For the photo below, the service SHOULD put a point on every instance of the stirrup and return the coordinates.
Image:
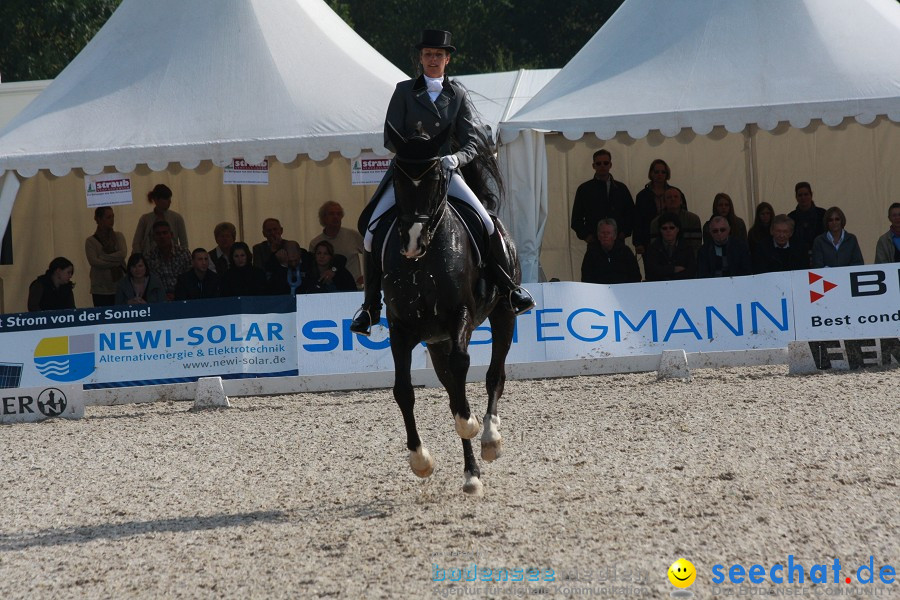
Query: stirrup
(522, 308)
(358, 325)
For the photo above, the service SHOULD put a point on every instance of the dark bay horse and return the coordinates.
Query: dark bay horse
(432, 295)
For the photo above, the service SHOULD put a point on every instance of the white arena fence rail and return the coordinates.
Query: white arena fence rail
(274, 345)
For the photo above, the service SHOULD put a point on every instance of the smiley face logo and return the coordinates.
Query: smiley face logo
(682, 573)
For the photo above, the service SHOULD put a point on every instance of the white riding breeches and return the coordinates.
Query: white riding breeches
(458, 188)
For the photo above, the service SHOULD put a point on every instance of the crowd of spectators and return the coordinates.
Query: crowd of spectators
(666, 236)
(163, 268)
(673, 245)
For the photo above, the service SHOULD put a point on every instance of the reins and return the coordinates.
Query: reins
(434, 218)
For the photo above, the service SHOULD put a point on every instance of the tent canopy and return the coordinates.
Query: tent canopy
(702, 63)
(175, 81)
(497, 96)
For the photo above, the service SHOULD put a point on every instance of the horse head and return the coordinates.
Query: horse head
(420, 187)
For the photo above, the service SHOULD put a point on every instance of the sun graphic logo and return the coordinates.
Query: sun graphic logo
(65, 358)
(682, 575)
(827, 286)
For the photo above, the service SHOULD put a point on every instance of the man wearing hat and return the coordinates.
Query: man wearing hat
(435, 102)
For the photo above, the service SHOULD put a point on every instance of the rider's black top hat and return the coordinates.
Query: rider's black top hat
(435, 38)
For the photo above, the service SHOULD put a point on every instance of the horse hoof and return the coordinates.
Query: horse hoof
(467, 429)
(473, 486)
(421, 462)
(491, 451)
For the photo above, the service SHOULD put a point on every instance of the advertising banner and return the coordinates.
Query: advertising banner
(28, 405)
(847, 303)
(156, 343)
(368, 168)
(241, 172)
(578, 321)
(107, 189)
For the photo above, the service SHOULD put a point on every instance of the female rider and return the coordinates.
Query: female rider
(435, 102)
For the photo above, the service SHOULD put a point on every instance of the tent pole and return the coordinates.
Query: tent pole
(751, 166)
(240, 207)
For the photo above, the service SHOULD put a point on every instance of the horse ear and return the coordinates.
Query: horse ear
(397, 140)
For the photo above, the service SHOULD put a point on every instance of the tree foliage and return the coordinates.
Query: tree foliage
(492, 35)
(38, 38)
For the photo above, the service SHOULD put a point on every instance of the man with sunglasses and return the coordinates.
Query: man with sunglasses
(602, 198)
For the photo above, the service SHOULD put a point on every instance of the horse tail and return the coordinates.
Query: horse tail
(482, 173)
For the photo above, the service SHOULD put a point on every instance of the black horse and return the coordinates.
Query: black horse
(435, 292)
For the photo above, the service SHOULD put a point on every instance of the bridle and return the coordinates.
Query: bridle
(431, 220)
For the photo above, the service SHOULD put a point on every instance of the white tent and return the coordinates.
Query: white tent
(175, 81)
(497, 96)
(170, 89)
(764, 87)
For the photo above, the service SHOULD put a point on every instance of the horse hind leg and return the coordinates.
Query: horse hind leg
(472, 474)
(451, 367)
(502, 325)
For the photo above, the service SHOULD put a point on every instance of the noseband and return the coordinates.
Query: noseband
(432, 219)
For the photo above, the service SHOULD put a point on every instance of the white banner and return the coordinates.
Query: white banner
(368, 168)
(578, 321)
(241, 172)
(157, 343)
(847, 303)
(107, 189)
(27, 405)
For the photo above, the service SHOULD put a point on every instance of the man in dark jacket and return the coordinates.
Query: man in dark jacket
(602, 198)
(809, 219)
(724, 256)
(199, 281)
(779, 253)
(609, 260)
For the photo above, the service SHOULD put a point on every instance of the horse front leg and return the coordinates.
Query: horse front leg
(441, 354)
(503, 323)
(402, 345)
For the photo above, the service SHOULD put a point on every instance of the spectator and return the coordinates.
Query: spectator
(887, 249)
(668, 258)
(106, 252)
(777, 253)
(327, 276)
(288, 268)
(166, 259)
(139, 286)
(53, 289)
(599, 198)
(243, 279)
(263, 251)
(836, 247)
(346, 242)
(809, 219)
(608, 259)
(161, 198)
(199, 281)
(225, 234)
(649, 203)
(724, 207)
(724, 256)
(691, 231)
(761, 231)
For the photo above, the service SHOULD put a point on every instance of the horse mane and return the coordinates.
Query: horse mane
(482, 173)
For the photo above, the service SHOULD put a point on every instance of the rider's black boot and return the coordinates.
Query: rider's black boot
(514, 295)
(370, 312)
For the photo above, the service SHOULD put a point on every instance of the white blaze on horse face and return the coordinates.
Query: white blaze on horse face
(412, 250)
